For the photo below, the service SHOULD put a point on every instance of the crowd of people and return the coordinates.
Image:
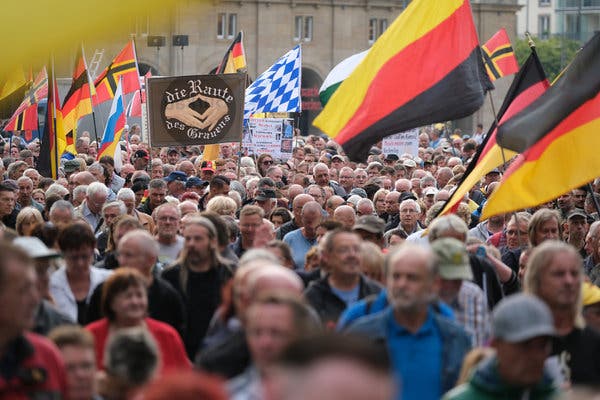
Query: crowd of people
(250, 277)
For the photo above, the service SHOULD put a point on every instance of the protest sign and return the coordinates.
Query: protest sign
(402, 143)
(272, 136)
(195, 110)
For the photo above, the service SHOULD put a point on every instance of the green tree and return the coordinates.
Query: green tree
(554, 53)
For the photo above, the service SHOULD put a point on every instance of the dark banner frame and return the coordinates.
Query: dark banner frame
(196, 109)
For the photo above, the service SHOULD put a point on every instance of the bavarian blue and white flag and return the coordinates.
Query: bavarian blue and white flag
(278, 88)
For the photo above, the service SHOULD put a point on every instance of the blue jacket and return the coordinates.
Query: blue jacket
(455, 341)
(376, 303)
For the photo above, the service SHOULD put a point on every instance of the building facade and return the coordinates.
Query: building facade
(192, 38)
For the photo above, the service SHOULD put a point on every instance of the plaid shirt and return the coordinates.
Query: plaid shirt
(471, 311)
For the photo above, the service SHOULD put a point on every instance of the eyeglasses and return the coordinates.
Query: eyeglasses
(267, 162)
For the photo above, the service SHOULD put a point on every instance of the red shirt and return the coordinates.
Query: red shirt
(170, 345)
(32, 368)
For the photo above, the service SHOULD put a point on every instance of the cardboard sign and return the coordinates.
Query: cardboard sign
(272, 136)
(195, 110)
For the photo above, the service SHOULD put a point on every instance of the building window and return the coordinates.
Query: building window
(303, 28)
(383, 24)
(544, 27)
(372, 30)
(226, 26)
(376, 28)
(232, 27)
(308, 28)
(544, 3)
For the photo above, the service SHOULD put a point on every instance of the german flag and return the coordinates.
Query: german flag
(527, 86)
(427, 67)
(499, 57)
(48, 159)
(78, 101)
(233, 61)
(124, 66)
(560, 149)
(26, 115)
(235, 57)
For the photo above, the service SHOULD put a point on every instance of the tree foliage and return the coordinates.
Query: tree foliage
(554, 53)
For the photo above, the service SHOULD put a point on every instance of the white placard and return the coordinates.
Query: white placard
(272, 136)
(402, 143)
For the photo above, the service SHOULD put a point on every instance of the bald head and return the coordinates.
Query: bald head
(345, 215)
(84, 178)
(273, 278)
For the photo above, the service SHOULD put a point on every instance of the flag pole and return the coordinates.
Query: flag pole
(92, 96)
(594, 199)
(56, 161)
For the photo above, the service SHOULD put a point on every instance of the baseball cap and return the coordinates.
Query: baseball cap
(359, 192)
(71, 166)
(34, 247)
(194, 181)
(176, 176)
(208, 166)
(172, 150)
(431, 191)
(494, 171)
(392, 157)
(577, 212)
(369, 223)
(375, 151)
(265, 194)
(337, 157)
(409, 163)
(590, 294)
(141, 154)
(453, 259)
(521, 317)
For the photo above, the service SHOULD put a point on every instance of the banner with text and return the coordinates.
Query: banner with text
(272, 136)
(402, 143)
(195, 110)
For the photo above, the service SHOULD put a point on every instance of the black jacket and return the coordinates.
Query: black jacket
(228, 358)
(483, 271)
(328, 305)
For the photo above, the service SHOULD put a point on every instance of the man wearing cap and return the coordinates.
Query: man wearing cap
(370, 228)
(70, 167)
(554, 274)
(522, 337)
(577, 226)
(591, 305)
(458, 291)
(266, 199)
(32, 367)
(47, 316)
(173, 155)
(176, 183)
(219, 186)
(140, 160)
(426, 349)
(207, 170)
(196, 185)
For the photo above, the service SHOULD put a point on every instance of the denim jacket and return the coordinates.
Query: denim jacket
(455, 341)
